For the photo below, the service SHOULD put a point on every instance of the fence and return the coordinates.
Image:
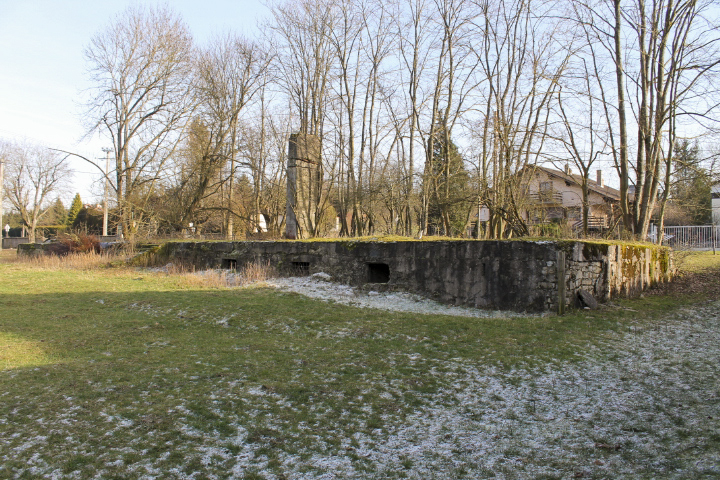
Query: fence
(13, 242)
(700, 236)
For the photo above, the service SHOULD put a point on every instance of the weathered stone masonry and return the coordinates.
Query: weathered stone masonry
(516, 275)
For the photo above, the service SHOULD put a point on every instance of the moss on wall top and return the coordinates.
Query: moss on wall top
(429, 238)
(591, 246)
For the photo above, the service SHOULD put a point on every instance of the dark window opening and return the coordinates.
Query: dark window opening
(229, 263)
(546, 186)
(301, 269)
(378, 273)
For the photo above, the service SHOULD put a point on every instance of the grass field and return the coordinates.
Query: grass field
(126, 373)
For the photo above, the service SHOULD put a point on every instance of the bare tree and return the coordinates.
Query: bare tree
(665, 59)
(34, 174)
(361, 41)
(380, 83)
(141, 68)
(193, 189)
(231, 71)
(582, 135)
(304, 58)
(262, 149)
(678, 54)
(523, 59)
(453, 84)
(414, 39)
(346, 41)
(300, 36)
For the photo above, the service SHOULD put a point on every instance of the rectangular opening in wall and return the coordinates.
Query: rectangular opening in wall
(301, 269)
(378, 273)
(229, 263)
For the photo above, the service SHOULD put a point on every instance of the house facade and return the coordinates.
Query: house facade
(554, 196)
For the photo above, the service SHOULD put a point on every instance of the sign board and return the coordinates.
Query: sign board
(483, 214)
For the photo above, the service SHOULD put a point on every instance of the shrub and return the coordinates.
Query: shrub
(74, 243)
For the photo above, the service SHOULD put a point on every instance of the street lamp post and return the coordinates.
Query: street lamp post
(105, 200)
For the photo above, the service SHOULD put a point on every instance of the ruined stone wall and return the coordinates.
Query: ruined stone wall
(515, 275)
(612, 270)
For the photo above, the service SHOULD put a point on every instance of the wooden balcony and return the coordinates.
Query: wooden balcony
(595, 222)
(547, 198)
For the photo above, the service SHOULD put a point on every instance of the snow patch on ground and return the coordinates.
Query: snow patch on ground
(319, 287)
(641, 404)
(648, 408)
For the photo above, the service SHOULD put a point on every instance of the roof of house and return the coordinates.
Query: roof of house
(593, 186)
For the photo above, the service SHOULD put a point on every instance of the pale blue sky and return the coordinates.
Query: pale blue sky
(43, 74)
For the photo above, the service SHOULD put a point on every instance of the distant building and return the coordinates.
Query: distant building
(716, 204)
(552, 195)
(93, 207)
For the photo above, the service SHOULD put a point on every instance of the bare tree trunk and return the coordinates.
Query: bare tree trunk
(622, 121)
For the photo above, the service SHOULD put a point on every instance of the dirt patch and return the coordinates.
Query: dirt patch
(704, 283)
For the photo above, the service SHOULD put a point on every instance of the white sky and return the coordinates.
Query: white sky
(43, 73)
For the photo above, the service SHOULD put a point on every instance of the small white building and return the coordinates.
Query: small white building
(716, 204)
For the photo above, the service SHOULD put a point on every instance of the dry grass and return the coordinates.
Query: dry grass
(698, 274)
(75, 261)
(188, 274)
(258, 272)
(253, 273)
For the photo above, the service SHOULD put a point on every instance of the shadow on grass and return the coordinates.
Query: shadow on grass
(128, 322)
(138, 370)
(160, 325)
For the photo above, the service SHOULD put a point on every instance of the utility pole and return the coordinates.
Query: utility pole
(105, 200)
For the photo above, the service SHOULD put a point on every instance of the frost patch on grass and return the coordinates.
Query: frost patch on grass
(644, 403)
(640, 404)
(641, 412)
(321, 289)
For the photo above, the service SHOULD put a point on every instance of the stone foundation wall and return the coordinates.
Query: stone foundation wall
(514, 275)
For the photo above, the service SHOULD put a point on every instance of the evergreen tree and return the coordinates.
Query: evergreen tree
(89, 221)
(691, 190)
(58, 213)
(449, 188)
(75, 208)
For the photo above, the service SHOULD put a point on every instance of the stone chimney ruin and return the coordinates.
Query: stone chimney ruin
(304, 180)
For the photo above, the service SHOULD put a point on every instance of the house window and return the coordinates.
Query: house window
(546, 186)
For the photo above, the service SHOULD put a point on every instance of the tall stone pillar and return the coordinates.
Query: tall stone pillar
(304, 180)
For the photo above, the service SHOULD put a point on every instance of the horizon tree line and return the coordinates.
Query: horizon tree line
(425, 110)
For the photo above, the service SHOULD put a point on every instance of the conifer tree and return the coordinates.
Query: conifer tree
(58, 213)
(75, 208)
(691, 190)
(449, 190)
